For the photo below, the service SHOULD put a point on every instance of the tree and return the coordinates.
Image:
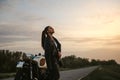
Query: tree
(10, 59)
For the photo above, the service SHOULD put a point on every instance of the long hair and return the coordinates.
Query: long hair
(43, 37)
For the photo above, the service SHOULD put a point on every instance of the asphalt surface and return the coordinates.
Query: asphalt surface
(75, 74)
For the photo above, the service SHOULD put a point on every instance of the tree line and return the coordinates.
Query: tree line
(76, 62)
(9, 59)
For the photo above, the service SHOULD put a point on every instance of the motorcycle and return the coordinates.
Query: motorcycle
(32, 68)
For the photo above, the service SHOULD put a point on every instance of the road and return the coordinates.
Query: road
(75, 74)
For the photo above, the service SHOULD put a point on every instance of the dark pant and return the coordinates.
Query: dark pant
(52, 67)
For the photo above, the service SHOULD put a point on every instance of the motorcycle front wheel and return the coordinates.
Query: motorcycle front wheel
(20, 75)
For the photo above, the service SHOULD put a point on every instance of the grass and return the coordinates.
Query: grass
(109, 72)
(6, 75)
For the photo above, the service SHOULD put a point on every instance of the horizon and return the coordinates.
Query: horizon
(12, 52)
(85, 28)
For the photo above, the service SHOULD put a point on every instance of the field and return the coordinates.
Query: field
(6, 75)
(108, 72)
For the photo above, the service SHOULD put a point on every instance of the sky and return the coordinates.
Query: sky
(85, 28)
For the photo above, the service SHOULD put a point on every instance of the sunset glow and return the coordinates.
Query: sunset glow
(85, 28)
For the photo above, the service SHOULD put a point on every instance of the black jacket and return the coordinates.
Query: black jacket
(51, 51)
(52, 47)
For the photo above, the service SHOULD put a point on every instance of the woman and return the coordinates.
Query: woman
(52, 49)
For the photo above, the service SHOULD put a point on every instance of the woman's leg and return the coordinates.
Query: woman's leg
(52, 67)
(55, 71)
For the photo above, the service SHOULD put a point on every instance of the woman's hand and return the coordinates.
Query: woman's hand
(59, 55)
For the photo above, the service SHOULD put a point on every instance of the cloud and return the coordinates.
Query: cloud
(103, 48)
(10, 33)
(102, 17)
(24, 46)
(7, 5)
(115, 41)
(82, 39)
(11, 38)
(94, 42)
(102, 54)
(19, 24)
(13, 29)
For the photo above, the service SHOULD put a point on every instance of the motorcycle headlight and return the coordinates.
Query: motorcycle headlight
(42, 62)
